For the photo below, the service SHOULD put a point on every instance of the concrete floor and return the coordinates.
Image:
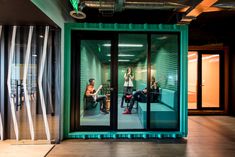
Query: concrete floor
(209, 136)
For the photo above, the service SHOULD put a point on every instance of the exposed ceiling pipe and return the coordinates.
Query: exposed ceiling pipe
(111, 6)
(120, 5)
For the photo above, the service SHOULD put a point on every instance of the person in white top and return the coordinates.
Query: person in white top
(128, 83)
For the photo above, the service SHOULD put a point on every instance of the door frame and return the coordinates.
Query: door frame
(221, 80)
(181, 29)
(224, 66)
(77, 37)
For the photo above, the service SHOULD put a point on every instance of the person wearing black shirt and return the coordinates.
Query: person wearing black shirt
(141, 96)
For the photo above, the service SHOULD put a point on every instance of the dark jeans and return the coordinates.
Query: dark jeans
(102, 100)
(127, 90)
(139, 96)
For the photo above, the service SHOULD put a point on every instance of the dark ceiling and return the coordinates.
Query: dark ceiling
(22, 12)
(208, 27)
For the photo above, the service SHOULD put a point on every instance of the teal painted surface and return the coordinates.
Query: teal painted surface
(182, 29)
(169, 98)
(163, 114)
(90, 68)
(164, 61)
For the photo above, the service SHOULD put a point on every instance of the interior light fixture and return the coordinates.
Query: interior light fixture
(122, 60)
(162, 37)
(125, 45)
(211, 56)
(192, 55)
(34, 55)
(41, 36)
(123, 55)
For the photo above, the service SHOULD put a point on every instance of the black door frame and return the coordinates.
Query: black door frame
(199, 78)
(76, 37)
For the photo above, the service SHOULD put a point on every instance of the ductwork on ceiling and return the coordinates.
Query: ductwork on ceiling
(109, 7)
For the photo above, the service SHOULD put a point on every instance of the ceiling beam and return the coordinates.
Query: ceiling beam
(195, 11)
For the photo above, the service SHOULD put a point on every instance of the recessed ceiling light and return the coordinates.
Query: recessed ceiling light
(123, 55)
(122, 60)
(162, 37)
(125, 45)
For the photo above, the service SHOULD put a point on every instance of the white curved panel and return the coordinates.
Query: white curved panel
(26, 96)
(1, 126)
(41, 69)
(12, 50)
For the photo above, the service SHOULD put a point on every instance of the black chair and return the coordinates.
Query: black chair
(92, 107)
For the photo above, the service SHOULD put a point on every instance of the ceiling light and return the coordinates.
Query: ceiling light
(34, 55)
(162, 37)
(125, 45)
(78, 15)
(122, 60)
(41, 36)
(123, 55)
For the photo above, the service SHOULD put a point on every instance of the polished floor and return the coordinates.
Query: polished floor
(209, 136)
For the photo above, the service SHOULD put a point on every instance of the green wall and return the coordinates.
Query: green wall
(165, 64)
(141, 74)
(90, 68)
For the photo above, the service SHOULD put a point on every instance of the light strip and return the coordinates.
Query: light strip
(123, 55)
(41, 69)
(192, 55)
(15, 124)
(211, 56)
(0, 31)
(26, 96)
(125, 45)
(122, 60)
(1, 126)
(203, 58)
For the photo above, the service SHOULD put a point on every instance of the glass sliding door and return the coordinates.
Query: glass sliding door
(94, 82)
(139, 74)
(132, 81)
(204, 79)
(210, 81)
(91, 79)
(164, 83)
(192, 79)
(32, 77)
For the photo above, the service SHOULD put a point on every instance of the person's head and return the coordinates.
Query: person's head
(129, 70)
(153, 79)
(92, 81)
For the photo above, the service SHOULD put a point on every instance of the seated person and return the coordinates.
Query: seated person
(141, 96)
(90, 90)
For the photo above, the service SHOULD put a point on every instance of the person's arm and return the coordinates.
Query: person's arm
(89, 91)
(125, 77)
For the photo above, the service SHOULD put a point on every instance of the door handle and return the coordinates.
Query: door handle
(111, 89)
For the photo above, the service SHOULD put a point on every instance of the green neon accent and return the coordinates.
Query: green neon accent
(75, 4)
(182, 29)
